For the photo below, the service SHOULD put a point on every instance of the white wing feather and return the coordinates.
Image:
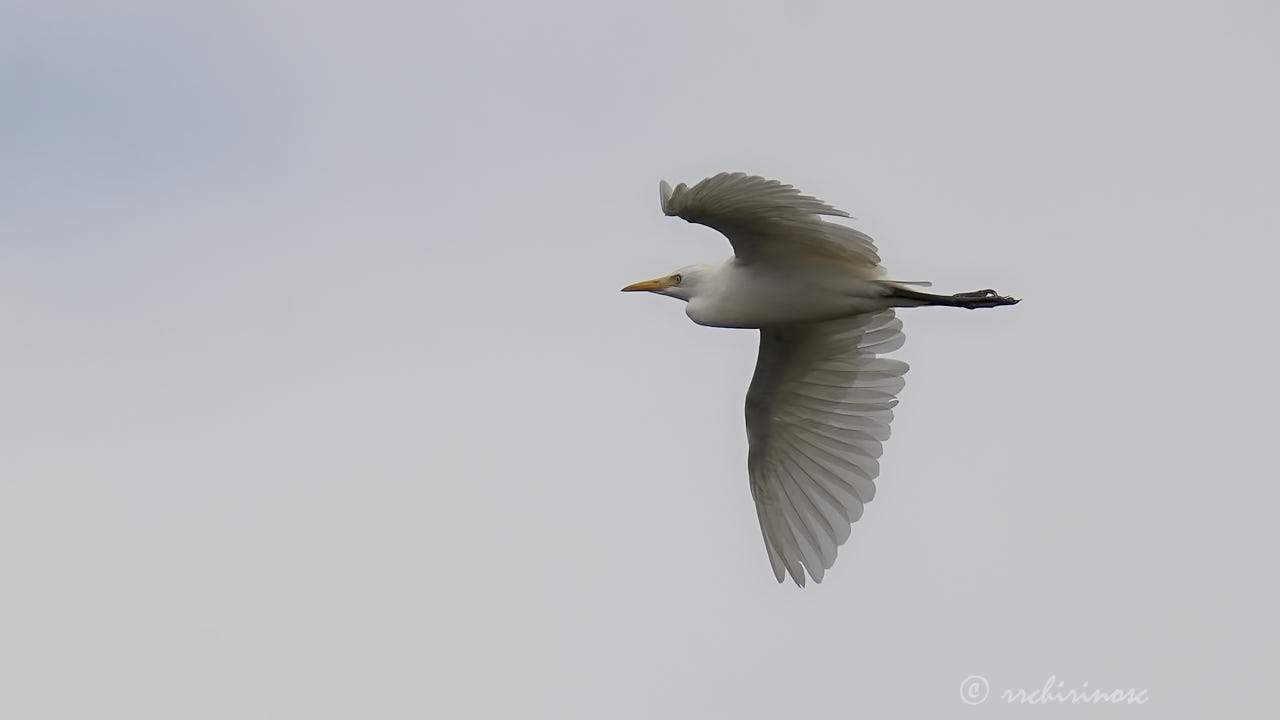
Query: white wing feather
(765, 218)
(819, 407)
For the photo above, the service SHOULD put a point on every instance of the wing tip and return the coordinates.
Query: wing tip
(664, 197)
(673, 199)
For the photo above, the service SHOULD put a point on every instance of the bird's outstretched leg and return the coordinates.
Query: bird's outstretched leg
(972, 300)
(983, 299)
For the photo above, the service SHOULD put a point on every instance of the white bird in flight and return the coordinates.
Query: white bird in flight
(821, 399)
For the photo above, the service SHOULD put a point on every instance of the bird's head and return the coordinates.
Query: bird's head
(682, 283)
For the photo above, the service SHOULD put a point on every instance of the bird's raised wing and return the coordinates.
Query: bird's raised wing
(818, 409)
(767, 219)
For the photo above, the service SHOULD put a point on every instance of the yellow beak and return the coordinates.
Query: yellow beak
(651, 285)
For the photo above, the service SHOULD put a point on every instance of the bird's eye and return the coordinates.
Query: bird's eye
(677, 278)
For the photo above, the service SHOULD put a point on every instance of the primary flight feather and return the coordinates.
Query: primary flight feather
(821, 399)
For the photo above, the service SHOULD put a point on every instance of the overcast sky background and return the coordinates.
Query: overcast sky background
(318, 398)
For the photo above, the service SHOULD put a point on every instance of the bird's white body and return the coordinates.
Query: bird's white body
(737, 294)
(821, 400)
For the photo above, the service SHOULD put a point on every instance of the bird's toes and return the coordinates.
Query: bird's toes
(978, 294)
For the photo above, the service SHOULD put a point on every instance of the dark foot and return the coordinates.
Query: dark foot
(982, 299)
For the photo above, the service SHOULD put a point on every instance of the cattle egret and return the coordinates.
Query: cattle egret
(821, 400)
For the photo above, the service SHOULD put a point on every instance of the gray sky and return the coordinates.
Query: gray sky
(318, 398)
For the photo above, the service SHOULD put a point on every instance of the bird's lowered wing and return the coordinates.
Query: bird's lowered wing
(767, 219)
(818, 409)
